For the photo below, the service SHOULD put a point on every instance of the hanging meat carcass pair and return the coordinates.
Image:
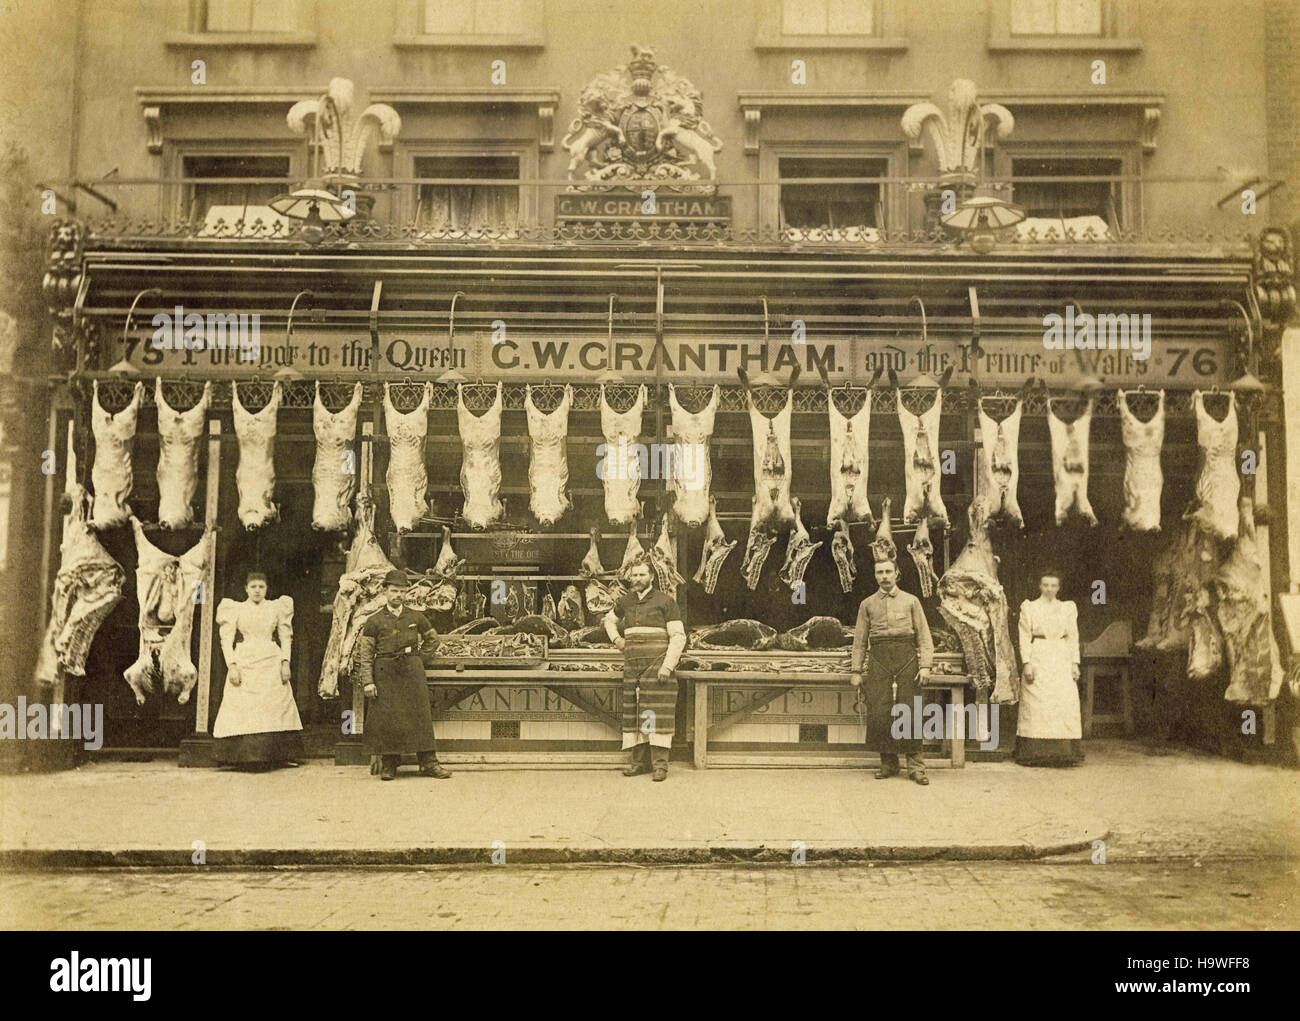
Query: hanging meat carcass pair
(112, 473)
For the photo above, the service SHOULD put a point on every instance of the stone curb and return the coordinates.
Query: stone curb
(530, 854)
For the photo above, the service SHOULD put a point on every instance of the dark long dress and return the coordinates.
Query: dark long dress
(398, 719)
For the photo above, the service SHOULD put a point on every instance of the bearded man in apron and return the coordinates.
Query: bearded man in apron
(892, 627)
(646, 625)
(398, 719)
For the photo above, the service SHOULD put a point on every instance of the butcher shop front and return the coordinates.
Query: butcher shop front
(514, 418)
(517, 439)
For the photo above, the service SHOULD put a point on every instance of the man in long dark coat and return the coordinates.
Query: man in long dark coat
(398, 719)
(892, 627)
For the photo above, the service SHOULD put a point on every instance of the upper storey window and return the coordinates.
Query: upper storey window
(479, 17)
(1060, 17)
(1063, 25)
(516, 24)
(236, 23)
(831, 205)
(831, 24)
(1075, 197)
(249, 15)
(828, 17)
(234, 200)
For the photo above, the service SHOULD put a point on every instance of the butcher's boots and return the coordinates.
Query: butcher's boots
(659, 756)
(430, 766)
(638, 762)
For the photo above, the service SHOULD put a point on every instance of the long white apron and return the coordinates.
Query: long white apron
(261, 702)
(1049, 642)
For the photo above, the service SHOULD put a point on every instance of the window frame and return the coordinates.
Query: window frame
(893, 203)
(175, 152)
(523, 149)
(409, 31)
(1130, 163)
(888, 34)
(188, 29)
(1119, 31)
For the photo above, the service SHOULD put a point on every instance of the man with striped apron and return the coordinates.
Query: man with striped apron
(647, 626)
(891, 623)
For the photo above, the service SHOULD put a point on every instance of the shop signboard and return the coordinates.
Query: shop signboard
(1001, 360)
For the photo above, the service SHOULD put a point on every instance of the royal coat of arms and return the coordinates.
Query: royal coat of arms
(641, 121)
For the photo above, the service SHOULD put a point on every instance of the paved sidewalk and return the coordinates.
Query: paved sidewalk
(1184, 806)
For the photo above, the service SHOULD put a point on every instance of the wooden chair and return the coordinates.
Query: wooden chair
(1106, 659)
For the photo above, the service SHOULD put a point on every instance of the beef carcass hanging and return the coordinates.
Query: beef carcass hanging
(569, 609)
(634, 553)
(973, 603)
(1193, 557)
(1162, 568)
(548, 467)
(772, 463)
(882, 546)
(622, 466)
(1143, 479)
(87, 587)
(691, 432)
(716, 550)
(178, 458)
(844, 555)
(168, 590)
(850, 451)
(1218, 485)
(1242, 606)
(406, 477)
(1070, 463)
(998, 463)
(921, 550)
(757, 547)
(600, 598)
(334, 472)
(921, 460)
(480, 467)
(360, 595)
(445, 570)
(663, 560)
(111, 473)
(1205, 643)
(255, 474)
(799, 550)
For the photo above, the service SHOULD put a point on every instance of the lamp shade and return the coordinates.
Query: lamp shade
(983, 212)
(309, 201)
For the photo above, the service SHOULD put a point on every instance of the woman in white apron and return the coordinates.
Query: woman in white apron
(257, 724)
(1048, 731)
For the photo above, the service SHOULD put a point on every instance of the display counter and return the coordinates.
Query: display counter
(735, 710)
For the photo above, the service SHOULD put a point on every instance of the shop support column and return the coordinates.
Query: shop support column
(197, 750)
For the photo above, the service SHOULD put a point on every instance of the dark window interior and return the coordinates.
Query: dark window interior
(467, 206)
(1069, 198)
(199, 198)
(806, 206)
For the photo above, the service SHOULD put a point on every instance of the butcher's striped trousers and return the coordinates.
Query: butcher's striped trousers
(649, 704)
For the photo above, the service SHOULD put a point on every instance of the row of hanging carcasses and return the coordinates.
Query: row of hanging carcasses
(623, 461)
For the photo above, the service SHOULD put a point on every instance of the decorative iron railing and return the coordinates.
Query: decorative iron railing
(115, 394)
